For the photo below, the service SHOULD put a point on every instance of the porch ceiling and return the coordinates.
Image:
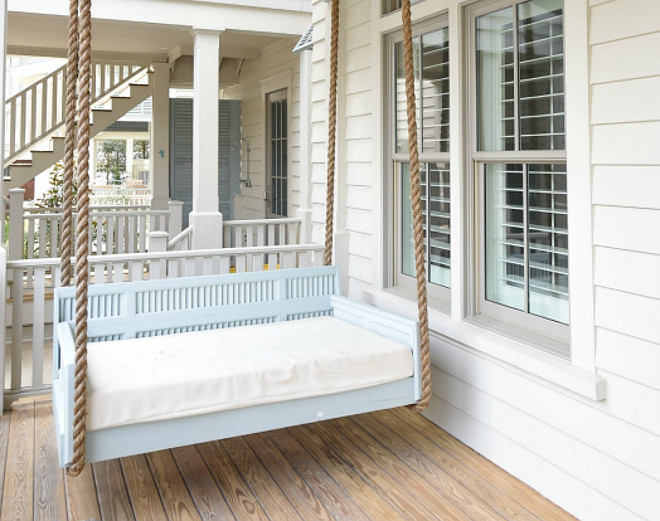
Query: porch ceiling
(44, 32)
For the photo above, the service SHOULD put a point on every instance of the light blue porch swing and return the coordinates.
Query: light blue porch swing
(167, 365)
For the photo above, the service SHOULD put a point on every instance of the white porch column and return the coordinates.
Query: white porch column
(205, 218)
(304, 212)
(160, 136)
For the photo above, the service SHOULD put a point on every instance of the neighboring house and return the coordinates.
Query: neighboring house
(540, 151)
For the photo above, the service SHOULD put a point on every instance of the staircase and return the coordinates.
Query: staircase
(34, 118)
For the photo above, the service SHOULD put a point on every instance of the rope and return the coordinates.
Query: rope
(69, 138)
(82, 229)
(416, 193)
(332, 128)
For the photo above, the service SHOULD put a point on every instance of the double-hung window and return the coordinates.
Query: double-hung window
(431, 66)
(519, 161)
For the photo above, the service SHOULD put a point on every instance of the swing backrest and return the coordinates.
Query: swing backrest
(165, 306)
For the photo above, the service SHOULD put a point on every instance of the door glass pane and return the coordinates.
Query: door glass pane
(548, 242)
(505, 234)
(495, 81)
(541, 73)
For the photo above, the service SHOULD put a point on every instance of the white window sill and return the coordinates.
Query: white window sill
(474, 337)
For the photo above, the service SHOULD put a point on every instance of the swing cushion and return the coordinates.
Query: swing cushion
(165, 377)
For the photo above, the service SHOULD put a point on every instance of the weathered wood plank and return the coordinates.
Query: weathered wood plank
(49, 495)
(274, 501)
(81, 496)
(421, 450)
(4, 444)
(114, 502)
(369, 500)
(301, 495)
(379, 478)
(391, 463)
(240, 497)
(142, 490)
(333, 496)
(446, 484)
(205, 493)
(178, 504)
(17, 504)
(511, 486)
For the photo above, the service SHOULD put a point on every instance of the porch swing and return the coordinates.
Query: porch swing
(167, 366)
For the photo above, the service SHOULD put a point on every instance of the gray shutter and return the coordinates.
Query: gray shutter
(181, 117)
(229, 132)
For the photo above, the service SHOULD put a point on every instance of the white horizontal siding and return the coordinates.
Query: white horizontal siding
(626, 101)
(627, 228)
(629, 357)
(627, 143)
(635, 57)
(626, 185)
(623, 19)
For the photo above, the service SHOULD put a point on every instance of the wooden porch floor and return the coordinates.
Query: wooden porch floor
(391, 465)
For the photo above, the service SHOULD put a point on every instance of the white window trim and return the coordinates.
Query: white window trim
(392, 181)
(578, 375)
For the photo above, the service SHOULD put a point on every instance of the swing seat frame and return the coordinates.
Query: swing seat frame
(154, 307)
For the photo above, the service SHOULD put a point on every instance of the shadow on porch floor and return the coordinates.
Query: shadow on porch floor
(390, 465)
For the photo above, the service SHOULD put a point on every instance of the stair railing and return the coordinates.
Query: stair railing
(37, 112)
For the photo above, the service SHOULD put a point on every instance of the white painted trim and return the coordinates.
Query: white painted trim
(513, 354)
(579, 182)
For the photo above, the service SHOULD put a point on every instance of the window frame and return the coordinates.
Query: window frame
(394, 161)
(541, 333)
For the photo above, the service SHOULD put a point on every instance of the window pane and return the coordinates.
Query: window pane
(505, 235)
(548, 242)
(401, 138)
(435, 91)
(435, 204)
(495, 81)
(526, 211)
(439, 234)
(541, 72)
(432, 49)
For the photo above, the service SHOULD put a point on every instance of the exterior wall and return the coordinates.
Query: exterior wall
(277, 68)
(599, 459)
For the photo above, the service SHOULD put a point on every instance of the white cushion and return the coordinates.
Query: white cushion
(158, 378)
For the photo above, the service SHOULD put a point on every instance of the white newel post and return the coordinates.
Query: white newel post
(304, 212)
(160, 137)
(176, 218)
(158, 241)
(205, 218)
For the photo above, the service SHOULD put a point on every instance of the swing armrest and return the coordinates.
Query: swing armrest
(66, 348)
(64, 362)
(384, 323)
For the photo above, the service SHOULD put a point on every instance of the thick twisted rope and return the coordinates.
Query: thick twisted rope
(332, 129)
(416, 194)
(82, 229)
(69, 145)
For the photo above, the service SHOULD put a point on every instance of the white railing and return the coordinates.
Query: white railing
(32, 281)
(261, 232)
(112, 230)
(37, 112)
(181, 241)
(115, 196)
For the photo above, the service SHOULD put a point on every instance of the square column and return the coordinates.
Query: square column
(160, 137)
(205, 218)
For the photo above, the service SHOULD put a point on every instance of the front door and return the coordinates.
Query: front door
(276, 152)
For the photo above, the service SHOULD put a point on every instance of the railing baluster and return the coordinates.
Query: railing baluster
(33, 114)
(44, 106)
(22, 133)
(12, 126)
(16, 328)
(38, 308)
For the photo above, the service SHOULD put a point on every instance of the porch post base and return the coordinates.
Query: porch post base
(207, 230)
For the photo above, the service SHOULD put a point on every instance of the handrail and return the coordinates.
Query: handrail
(165, 255)
(37, 112)
(187, 233)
